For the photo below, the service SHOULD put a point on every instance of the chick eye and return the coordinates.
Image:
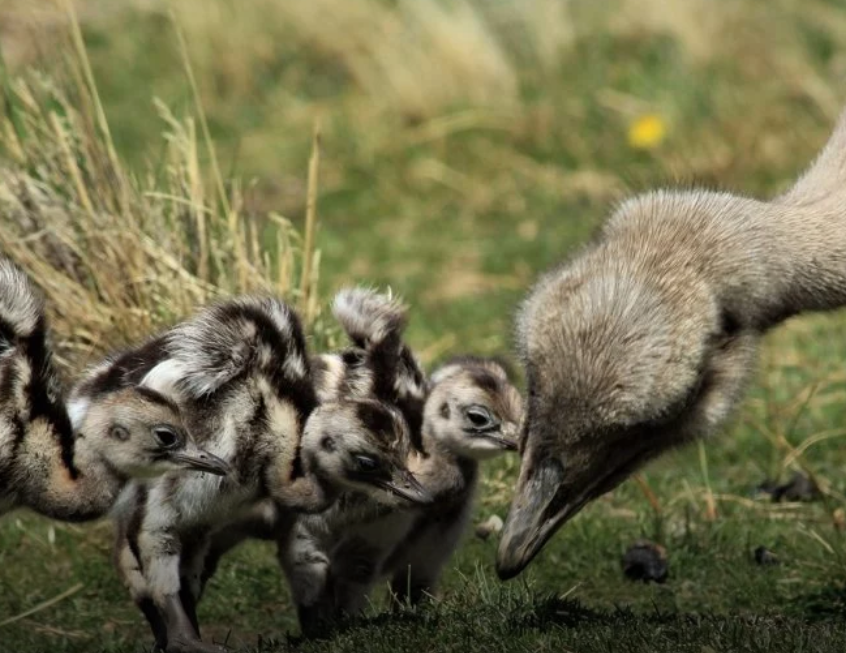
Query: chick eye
(479, 417)
(166, 437)
(366, 463)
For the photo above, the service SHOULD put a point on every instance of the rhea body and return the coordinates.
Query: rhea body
(73, 466)
(240, 373)
(466, 412)
(646, 339)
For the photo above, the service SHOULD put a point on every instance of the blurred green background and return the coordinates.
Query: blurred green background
(467, 146)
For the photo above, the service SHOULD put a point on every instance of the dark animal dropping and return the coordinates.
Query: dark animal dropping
(646, 561)
(798, 488)
(763, 556)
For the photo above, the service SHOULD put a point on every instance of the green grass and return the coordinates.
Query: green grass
(457, 201)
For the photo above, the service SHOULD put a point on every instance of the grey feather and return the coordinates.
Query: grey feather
(369, 319)
(226, 340)
(21, 305)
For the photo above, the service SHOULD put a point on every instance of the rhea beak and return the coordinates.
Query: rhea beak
(405, 485)
(193, 458)
(540, 506)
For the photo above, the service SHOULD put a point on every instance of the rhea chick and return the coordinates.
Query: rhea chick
(645, 340)
(331, 555)
(70, 466)
(472, 414)
(240, 373)
(468, 411)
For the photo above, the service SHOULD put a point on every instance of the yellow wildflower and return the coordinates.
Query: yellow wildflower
(647, 131)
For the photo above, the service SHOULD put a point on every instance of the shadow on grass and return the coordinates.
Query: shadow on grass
(826, 604)
(516, 620)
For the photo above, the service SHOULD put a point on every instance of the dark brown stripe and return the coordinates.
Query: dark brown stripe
(128, 368)
(485, 379)
(8, 335)
(156, 397)
(44, 395)
(298, 388)
(133, 528)
(377, 419)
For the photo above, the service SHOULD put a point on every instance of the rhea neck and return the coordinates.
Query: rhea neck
(309, 490)
(806, 227)
(810, 226)
(82, 493)
(448, 466)
(762, 262)
(55, 471)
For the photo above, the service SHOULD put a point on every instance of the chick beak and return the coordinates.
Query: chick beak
(504, 439)
(193, 458)
(504, 443)
(539, 507)
(405, 485)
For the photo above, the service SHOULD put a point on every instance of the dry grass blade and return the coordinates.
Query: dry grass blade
(43, 606)
(118, 255)
(710, 500)
(195, 93)
(651, 497)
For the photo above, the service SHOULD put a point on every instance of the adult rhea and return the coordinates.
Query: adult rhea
(645, 340)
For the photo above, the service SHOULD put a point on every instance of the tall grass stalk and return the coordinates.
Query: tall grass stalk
(120, 254)
(306, 286)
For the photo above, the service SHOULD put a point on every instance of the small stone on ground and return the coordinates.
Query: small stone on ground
(492, 525)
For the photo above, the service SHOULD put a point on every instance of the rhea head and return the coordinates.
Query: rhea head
(620, 366)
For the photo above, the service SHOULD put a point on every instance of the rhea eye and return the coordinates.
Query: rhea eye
(366, 463)
(166, 437)
(479, 417)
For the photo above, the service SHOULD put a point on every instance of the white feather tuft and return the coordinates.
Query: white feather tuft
(165, 377)
(77, 410)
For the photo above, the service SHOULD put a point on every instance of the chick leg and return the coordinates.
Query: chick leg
(155, 619)
(416, 567)
(307, 569)
(194, 553)
(411, 588)
(356, 566)
(349, 594)
(266, 522)
(221, 543)
(129, 569)
(160, 556)
(316, 620)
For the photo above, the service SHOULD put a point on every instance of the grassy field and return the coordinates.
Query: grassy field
(466, 146)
